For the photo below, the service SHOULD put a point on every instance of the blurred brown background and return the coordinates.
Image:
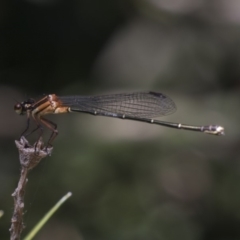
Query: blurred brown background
(129, 180)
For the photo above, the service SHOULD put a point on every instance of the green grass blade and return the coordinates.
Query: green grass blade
(36, 229)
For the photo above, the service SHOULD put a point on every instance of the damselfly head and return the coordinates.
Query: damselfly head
(21, 108)
(18, 108)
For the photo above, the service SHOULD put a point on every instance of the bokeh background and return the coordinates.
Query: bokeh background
(129, 180)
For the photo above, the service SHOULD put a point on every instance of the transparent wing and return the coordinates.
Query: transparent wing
(141, 104)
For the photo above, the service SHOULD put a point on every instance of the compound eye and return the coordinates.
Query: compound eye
(18, 108)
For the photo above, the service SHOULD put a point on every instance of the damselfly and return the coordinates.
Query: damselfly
(139, 106)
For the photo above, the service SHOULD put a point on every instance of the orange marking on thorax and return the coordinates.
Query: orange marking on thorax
(49, 105)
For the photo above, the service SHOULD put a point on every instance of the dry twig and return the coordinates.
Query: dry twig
(29, 157)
